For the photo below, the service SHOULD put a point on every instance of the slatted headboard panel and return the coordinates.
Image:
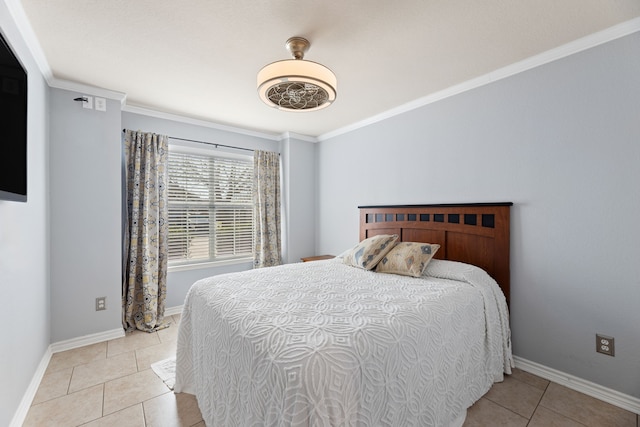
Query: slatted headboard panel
(476, 233)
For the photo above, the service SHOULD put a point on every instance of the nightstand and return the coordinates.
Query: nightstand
(317, 258)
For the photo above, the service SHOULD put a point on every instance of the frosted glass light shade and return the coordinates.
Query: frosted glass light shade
(297, 85)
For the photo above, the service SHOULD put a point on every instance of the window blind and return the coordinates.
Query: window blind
(210, 208)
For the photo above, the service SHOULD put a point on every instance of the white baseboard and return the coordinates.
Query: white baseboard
(173, 310)
(605, 394)
(27, 398)
(72, 343)
(101, 336)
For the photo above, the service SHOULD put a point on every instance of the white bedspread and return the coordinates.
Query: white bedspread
(325, 344)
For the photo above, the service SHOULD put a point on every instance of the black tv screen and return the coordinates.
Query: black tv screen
(13, 126)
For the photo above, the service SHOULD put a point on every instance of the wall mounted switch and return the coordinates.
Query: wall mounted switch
(88, 104)
(101, 104)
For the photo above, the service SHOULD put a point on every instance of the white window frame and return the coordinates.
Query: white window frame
(211, 262)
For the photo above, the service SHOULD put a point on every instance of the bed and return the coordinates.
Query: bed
(326, 343)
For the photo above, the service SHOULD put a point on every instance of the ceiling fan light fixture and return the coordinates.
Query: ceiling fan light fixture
(296, 84)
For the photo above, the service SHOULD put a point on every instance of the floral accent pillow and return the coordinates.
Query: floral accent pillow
(407, 259)
(369, 252)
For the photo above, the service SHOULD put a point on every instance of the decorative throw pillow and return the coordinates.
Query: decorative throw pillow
(369, 252)
(407, 258)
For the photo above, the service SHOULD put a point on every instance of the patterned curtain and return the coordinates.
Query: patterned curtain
(266, 209)
(144, 286)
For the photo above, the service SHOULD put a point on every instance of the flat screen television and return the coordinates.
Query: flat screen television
(13, 125)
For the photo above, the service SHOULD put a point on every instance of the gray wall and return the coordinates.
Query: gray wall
(86, 209)
(24, 250)
(562, 142)
(179, 282)
(297, 178)
(299, 199)
(85, 216)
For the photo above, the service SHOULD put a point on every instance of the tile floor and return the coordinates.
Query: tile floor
(112, 384)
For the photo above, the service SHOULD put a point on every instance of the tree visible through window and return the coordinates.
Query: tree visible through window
(210, 208)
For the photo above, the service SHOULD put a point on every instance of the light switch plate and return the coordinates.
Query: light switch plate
(88, 104)
(101, 104)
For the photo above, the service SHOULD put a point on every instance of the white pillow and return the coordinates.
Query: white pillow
(369, 252)
(407, 259)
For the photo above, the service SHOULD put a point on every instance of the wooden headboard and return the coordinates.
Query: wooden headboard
(475, 233)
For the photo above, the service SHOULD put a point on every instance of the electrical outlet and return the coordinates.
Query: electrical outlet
(101, 303)
(605, 345)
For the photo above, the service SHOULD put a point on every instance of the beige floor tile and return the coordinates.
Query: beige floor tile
(70, 410)
(176, 318)
(544, 417)
(148, 355)
(530, 379)
(485, 413)
(77, 356)
(54, 384)
(102, 370)
(124, 392)
(114, 378)
(586, 409)
(131, 341)
(132, 416)
(172, 410)
(169, 334)
(516, 396)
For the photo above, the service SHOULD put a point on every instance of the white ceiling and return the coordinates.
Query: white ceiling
(200, 58)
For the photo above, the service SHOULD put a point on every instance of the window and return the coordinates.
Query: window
(210, 207)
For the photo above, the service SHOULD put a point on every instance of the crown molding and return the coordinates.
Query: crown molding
(198, 122)
(29, 36)
(87, 89)
(33, 45)
(587, 42)
(298, 136)
(584, 43)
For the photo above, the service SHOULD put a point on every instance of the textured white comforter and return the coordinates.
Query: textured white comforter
(325, 344)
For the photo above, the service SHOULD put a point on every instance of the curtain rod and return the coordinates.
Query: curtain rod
(216, 145)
